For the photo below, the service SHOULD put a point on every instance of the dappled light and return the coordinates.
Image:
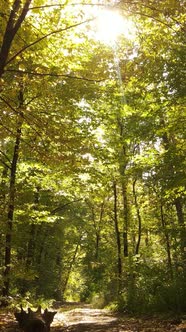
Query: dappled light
(87, 315)
(92, 166)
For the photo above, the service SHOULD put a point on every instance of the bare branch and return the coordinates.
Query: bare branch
(5, 164)
(4, 154)
(9, 105)
(72, 4)
(63, 206)
(48, 6)
(54, 75)
(26, 118)
(7, 129)
(153, 18)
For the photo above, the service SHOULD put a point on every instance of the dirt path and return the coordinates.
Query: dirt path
(86, 319)
(94, 320)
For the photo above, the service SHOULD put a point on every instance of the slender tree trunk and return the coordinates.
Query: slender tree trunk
(118, 241)
(122, 169)
(31, 246)
(12, 189)
(3, 194)
(125, 219)
(40, 249)
(3, 182)
(98, 231)
(97, 245)
(70, 267)
(97, 226)
(138, 217)
(167, 240)
(177, 203)
(180, 216)
(31, 243)
(3, 186)
(179, 210)
(14, 22)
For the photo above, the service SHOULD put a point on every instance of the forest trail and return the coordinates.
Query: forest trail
(87, 319)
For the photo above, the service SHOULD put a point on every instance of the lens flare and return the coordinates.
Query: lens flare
(111, 25)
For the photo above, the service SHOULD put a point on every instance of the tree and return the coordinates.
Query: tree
(20, 67)
(92, 154)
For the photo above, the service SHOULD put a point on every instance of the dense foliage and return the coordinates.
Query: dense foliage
(92, 154)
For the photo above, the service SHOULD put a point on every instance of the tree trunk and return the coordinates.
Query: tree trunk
(32, 238)
(138, 217)
(16, 18)
(122, 170)
(125, 219)
(179, 210)
(12, 189)
(118, 241)
(31, 246)
(3, 189)
(180, 216)
(168, 247)
(98, 230)
(70, 267)
(177, 203)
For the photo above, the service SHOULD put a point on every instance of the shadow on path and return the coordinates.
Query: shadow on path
(86, 319)
(95, 320)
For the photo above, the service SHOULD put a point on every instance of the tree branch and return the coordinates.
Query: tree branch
(46, 36)
(22, 16)
(4, 154)
(5, 164)
(72, 4)
(63, 206)
(54, 75)
(9, 105)
(11, 30)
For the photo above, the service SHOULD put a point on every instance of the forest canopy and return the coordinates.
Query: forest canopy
(92, 152)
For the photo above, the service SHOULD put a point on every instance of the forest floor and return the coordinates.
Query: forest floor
(87, 319)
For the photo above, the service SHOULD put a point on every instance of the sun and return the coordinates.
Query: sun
(110, 25)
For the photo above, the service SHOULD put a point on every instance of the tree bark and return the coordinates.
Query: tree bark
(177, 202)
(98, 231)
(167, 240)
(12, 189)
(71, 266)
(125, 219)
(15, 20)
(31, 242)
(118, 241)
(180, 216)
(138, 217)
